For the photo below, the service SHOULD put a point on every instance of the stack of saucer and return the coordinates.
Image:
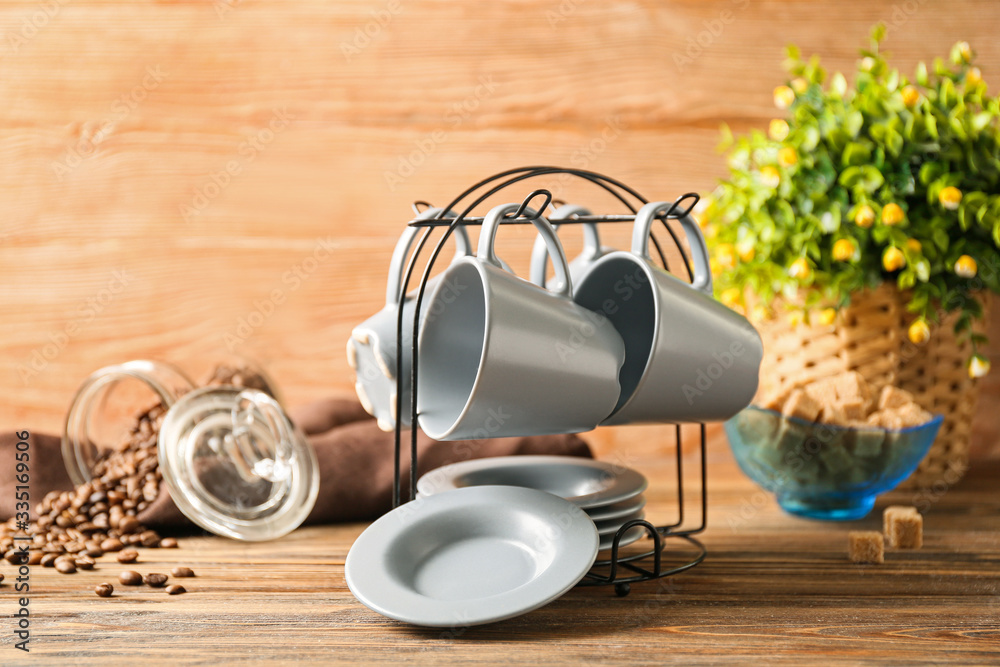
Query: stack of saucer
(610, 494)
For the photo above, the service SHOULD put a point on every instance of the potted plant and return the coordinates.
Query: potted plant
(872, 213)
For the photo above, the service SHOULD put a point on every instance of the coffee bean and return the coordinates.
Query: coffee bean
(175, 589)
(150, 539)
(84, 562)
(35, 557)
(104, 590)
(1, 576)
(128, 525)
(49, 560)
(111, 544)
(130, 578)
(53, 548)
(128, 556)
(168, 543)
(65, 566)
(155, 579)
(13, 557)
(74, 547)
(181, 572)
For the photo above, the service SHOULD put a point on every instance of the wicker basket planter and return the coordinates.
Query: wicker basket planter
(869, 337)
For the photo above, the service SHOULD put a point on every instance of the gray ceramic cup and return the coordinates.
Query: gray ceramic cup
(688, 358)
(500, 356)
(371, 349)
(581, 264)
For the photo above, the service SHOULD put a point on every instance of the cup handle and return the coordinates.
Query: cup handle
(591, 242)
(397, 264)
(488, 235)
(644, 219)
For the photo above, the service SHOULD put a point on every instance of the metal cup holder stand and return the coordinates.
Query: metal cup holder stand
(619, 571)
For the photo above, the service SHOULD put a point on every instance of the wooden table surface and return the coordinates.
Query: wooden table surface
(774, 589)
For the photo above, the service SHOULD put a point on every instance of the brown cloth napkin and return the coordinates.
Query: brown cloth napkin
(355, 461)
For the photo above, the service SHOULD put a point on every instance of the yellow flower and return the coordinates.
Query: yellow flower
(919, 333)
(844, 250)
(978, 366)
(795, 319)
(713, 266)
(760, 313)
(965, 50)
(950, 197)
(966, 267)
(867, 63)
(973, 77)
(746, 252)
(914, 245)
(800, 269)
(787, 157)
(893, 259)
(910, 96)
(778, 130)
(769, 176)
(827, 316)
(800, 85)
(783, 97)
(892, 214)
(864, 217)
(731, 297)
(725, 255)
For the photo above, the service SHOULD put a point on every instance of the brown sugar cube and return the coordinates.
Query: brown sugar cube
(772, 400)
(823, 391)
(866, 546)
(888, 419)
(903, 526)
(912, 414)
(832, 414)
(852, 386)
(800, 405)
(893, 397)
(854, 411)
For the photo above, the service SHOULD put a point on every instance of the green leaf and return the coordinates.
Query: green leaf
(923, 270)
(853, 123)
(940, 238)
(856, 154)
(838, 85)
(931, 124)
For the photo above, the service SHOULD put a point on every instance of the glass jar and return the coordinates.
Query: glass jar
(232, 460)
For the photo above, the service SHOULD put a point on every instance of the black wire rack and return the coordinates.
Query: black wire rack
(618, 569)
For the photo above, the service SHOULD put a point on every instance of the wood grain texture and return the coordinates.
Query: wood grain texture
(208, 151)
(774, 589)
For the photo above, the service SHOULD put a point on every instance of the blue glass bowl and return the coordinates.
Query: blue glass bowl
(822, 471)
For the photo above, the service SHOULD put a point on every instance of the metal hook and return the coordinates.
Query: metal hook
(527, 200)
(417, 204)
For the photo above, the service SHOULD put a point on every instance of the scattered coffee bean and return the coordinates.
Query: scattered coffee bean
(168, 543)
(1, 576)
(65, 566)
(150, 539)
(49, 560)
(93, 549)
(181, 572)
(129, 525)
(130, 578)
(128, 556)
(175, 589)
(35, 557)
(104, 590)
(84, 562)
(111, 544)
(155, 579)
(13, 557)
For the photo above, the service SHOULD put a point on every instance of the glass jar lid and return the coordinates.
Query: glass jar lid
(235, 465)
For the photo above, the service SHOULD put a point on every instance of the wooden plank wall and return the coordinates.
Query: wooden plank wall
(177, 177)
